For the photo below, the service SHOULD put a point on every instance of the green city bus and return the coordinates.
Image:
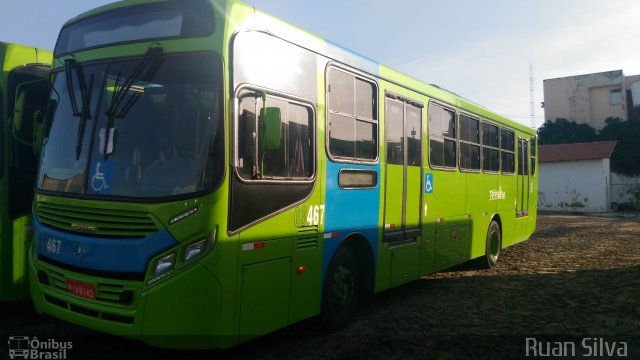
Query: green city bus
(210, 174)
(24, 93)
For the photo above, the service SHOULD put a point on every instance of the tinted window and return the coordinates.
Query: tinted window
(341, 136)
(282, 146)
(469, 156)
(525, 158)
(394, 133)
(490, 161)
(469, 129)
(138, 23)
(508, 162)
(341, 92)
(449, 153)
(442, 142)
(365, 106)
(469, 142)
(490, 147)
(352, 116)
(533, 156)
(490, 135)
(414, 135)
(507, 140)
(366, 140)
(507, 146)
(521, 157)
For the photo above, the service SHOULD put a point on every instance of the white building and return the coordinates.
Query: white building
(575, 177)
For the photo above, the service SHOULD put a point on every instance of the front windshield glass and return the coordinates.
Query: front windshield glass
(156, 134)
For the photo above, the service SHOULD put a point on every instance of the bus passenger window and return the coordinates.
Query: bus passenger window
(442, 137)
(490, 147)
(507, 151)
(352, 116)
(469, 143)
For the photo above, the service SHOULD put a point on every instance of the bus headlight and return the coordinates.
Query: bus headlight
(181, 258)
(194, 249)
(164, 264)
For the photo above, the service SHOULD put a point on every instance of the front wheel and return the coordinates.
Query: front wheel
(493, 245)
(341, 289)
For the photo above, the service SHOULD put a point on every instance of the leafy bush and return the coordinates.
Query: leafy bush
(626, 155)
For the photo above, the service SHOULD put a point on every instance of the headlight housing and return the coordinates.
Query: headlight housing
(181, 257)
(195, 249)
(164, 264)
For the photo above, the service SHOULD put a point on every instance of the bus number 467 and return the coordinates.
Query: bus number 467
(315, 216)
(53, 246)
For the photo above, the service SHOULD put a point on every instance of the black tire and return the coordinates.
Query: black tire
(493, 246)
(341, 291)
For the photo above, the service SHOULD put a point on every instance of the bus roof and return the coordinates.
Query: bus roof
(265, 22)
(14, 55)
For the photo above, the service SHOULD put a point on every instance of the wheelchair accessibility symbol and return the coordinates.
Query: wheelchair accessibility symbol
(428, 183)
(100, 177)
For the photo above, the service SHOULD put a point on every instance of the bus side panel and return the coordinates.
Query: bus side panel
(507, 209)
(349, 211)
(445, 206)
(22, 236)
(482, 201)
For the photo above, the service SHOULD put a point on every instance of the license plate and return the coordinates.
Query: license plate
(86, 291)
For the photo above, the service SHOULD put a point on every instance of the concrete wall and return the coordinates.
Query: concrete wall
(570, 98)
(625, 192)
(574, 186)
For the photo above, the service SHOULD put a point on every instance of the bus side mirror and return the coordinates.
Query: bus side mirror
(38, 129)
(270, 121)
(20, 122)
(29, 107)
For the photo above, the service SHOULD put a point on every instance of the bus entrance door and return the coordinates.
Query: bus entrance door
(522, 199)
(403, 170)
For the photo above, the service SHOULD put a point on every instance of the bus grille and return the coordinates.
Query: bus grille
(89, 312)
(96, 221)
(110, 293)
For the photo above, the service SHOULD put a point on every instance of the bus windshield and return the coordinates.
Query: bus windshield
(135, 128)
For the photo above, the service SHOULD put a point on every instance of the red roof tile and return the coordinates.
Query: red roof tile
(575, 152)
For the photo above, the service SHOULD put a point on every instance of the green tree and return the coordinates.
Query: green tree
(626, 155)
(563, 131)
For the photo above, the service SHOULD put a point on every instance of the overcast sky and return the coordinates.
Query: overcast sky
(478, 49)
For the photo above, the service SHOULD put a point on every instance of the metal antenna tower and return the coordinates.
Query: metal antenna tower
(532, 106)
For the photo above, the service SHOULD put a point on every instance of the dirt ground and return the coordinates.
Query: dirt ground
(577, 278)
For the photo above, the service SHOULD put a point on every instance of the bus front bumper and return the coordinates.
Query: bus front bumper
(181, 311)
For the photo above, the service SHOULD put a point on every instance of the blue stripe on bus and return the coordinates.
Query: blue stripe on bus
(349, 211)
(105, 254)
(343, 55)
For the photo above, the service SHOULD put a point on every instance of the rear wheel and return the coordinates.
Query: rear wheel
(341, 289)
(493, 245)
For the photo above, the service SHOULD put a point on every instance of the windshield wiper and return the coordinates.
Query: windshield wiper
(149, 64)
(70, 65)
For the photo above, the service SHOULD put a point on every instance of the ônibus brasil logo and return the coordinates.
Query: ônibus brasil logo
(25, 347)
